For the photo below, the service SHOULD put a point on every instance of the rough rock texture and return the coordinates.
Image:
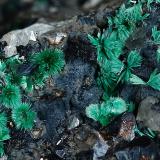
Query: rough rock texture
(22, 37)
(62, 130)
(141, 148)
(74, 89)
(126, 131)
(64, 95)
(17, 14)
(149, 112)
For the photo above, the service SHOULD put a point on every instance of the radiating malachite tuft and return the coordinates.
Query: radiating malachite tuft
(10, 96)
(23, 116)
(49, 61)
(107, 110)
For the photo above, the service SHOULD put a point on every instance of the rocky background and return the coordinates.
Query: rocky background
(62, 130)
